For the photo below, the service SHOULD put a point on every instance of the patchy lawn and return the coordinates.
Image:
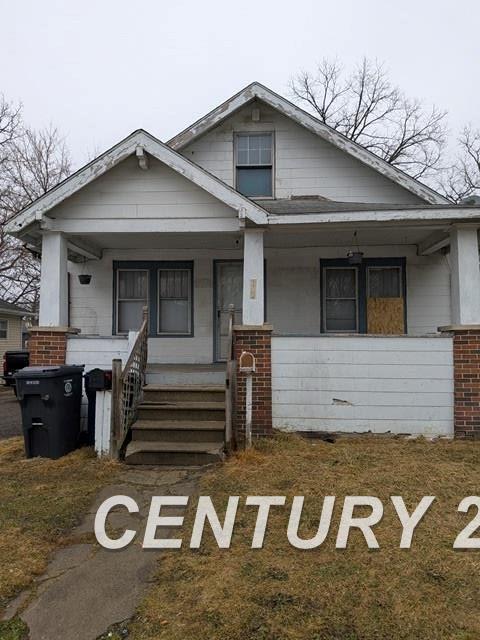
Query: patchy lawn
(280, 593)
(41, 500)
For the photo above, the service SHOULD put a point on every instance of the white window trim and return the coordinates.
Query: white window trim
(239, 134)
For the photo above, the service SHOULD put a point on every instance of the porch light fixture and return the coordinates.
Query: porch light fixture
(355, 256)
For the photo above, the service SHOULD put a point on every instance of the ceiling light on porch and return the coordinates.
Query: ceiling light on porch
(355, 256)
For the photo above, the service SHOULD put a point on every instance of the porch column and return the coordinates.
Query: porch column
(255, 337)
(253, 287)
(47, 343)
(465, 282)
(465, 297)
(53, 282)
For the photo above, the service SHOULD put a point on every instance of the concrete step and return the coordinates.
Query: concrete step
(184, 393)
(180, 374)
(181, 411)
(179, 454)
(178, 431)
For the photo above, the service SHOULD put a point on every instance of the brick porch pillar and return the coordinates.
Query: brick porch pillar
(466, 364)
(48, 345)
(257, 340)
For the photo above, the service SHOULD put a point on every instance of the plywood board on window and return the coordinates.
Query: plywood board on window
(385, 316)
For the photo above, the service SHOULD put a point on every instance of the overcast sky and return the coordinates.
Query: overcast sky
(100, 69)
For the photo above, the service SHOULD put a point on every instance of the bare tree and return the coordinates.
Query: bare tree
(462, 180)
(365, 107)
(31, 163)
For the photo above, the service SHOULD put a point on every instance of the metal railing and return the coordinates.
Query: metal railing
(127, 387)
(230, 440)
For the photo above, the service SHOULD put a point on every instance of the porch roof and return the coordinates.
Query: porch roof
(139, 142)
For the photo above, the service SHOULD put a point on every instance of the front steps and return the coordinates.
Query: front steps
(179, 425)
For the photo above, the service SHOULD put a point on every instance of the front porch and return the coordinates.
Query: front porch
(298, 280)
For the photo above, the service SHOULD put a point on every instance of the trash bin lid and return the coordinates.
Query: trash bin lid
(49, 371)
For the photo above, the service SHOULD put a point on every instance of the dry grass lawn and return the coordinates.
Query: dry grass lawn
(280, 593)
(41, 500)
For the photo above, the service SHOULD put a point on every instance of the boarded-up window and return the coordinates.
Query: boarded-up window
(385, 304)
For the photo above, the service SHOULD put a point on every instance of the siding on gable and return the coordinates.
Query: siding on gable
(126, 191)
(304, 163)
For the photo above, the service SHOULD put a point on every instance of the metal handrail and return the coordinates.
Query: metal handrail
(127, 386)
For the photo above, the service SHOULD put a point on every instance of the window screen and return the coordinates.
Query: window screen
(3, 329)
(254, 163)
(132, 296)
(174, 301)
(340, 299)
(384, 282)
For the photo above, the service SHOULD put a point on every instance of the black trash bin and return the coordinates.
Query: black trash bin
(95, 380)
(50, 398)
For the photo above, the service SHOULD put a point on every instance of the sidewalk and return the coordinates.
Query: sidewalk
(86, 588)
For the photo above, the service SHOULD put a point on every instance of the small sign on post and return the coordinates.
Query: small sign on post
(247, 366)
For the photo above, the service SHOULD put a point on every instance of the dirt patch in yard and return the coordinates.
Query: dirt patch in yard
(42, 500)
(281, 593)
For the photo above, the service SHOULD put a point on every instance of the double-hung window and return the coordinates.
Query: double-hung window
(254, 164)
(132, 296)
(365, 298)
(3, 329)
(165, 288)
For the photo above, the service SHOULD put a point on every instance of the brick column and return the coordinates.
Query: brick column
(466, 364)
(48, 345)
(256, 340)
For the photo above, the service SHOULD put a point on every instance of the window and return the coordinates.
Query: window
(3, 329)
(366, 298)
(174, 301)
(254, 164)
(341, 299)
(166, 288)
(132, 296)
(384, 282)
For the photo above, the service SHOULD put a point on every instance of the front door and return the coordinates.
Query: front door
(228, 290)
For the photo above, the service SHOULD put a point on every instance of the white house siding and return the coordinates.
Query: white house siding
(304, 163)
(14, 334)
(292, 292)
(127, 192)
(358, 384)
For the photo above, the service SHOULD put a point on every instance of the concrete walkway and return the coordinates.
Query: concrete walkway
(10, 416)
(86, 588)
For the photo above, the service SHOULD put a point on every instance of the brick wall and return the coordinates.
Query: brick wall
(256, 340)
(466, 358)
(47, 346)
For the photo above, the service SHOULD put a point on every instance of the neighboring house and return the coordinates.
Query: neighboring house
(11, 327)
(353, 264)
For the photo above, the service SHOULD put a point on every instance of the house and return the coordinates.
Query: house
(11, 327)
(341, 270)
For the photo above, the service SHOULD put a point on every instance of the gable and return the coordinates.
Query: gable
(305, 163)
(128, 192)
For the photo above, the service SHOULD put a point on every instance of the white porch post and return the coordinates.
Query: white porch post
(465, 275)
(253, 285)
(53, 282)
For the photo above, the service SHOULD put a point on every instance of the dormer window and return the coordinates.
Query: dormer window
(254, 164)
